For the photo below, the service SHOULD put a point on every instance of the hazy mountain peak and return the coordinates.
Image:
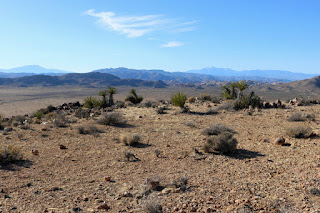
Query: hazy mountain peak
(32, 69)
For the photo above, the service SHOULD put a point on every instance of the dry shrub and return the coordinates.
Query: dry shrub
(130, 139)
(112, 119)
(191, 99)
(10, 154)
(226, 106)
(299, 131)
(301, 117)
(152, 205)
(82, 113)
(161, 110)
(223, 143)
(217, 129)
(211, 112)
(90, 130)
(204, 97)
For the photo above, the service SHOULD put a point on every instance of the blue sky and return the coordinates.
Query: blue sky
(180, 35)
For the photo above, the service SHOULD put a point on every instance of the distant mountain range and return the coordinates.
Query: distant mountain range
(186, 77)
(268, 74)
(30, 70)
(92, 79)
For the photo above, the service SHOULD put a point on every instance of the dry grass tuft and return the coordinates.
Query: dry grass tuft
(223, 143)
(130, 139)
(217, 129)
(10, 154)
(299, 131)
(301, 117)
(112, 119)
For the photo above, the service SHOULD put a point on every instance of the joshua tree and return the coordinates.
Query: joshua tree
(241, 85)
(103, 93)
(111, 92)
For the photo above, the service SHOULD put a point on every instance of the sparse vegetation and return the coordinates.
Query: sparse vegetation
(130, 139)
(112, 119)
(217, 129)
(91, 102)
(299, 131)
(223, 143)
(179, 99)
(133, 97)
(82, 113)
(152, 205)
(91, 130)
(38, 114)
(104, 103)
(204, 97)
(10, 154)
(301, 117)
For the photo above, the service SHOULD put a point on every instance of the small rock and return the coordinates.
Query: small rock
(35, 152)
(107, 179)
(104, 206)
(76, 209)
(6, 196)
(280, 141)
(166, 190)
(62, 146)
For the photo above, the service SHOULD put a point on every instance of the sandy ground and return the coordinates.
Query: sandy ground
(260, 177)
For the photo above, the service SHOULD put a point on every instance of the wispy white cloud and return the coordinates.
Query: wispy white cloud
(137, 26)
(172, 44)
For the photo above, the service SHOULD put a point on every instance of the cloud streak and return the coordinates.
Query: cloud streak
(173, 44)
(137, 26)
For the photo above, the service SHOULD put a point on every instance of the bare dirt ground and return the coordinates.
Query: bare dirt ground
(259, 177)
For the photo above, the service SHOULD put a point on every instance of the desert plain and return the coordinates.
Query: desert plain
(170, 168)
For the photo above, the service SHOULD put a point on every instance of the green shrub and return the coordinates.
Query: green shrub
(91, 102)
(223, 143)
(247, 100)
(112, 119)
(133, 97)
(10, 154)
(299, 131)
(179, 99)
(38, 114)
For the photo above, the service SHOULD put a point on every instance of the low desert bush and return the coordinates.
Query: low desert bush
(223, 143)
(161, 110)
(91, 102)
(82, 113)
(133, 97)
(226, 106)
(204, 97)
(179, 99)
(91, 130)
(191, 99)
(299, 131)
(247, 100)
(301, 117)
(149, 104)
(38, 114)
(130, 139)
(112, 119)
(10, 154)
(217, 129)
(152, 205)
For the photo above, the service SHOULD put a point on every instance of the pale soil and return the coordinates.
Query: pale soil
(261, 177)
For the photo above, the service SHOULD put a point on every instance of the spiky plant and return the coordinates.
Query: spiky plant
(111, 92)
(103, 93)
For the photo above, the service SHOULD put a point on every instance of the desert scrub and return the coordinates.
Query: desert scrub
(223, 143)
(152, 205)
(38, 114)
(90, 130)
(133, 97)
(301, 117)
(112, 119)
(91, 102)
(130, 139)
(299, 131)
(82, 113)
(179, 99)
(204, 97)
(10, 154)
(217, 129)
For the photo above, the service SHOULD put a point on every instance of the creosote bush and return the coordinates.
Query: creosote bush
(10, 154)
(299, 131)
(217, 129)
(223, 143)
(130, 139)
(301, 117)
(112, 119)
